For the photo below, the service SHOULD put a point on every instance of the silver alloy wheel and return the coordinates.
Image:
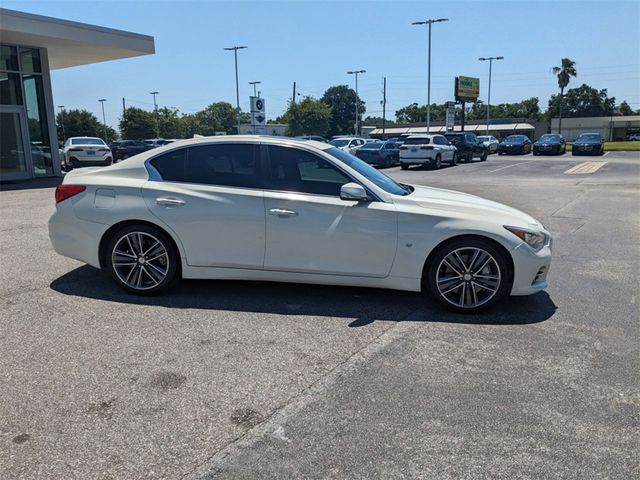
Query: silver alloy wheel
(468, 277)
(140, 260)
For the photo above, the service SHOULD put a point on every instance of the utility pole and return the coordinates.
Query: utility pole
(64, 135)
(384, 103)
(104, 122)
(155, 108)
(235, 56)
(491, 59)
(294, 93)
(356, 72)
(429, 23)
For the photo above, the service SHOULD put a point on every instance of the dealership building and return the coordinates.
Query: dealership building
(613, 128)
(30, 47)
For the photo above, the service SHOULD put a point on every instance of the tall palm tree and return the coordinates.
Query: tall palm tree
(564, 73)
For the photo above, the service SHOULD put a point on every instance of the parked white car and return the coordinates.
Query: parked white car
(430, 150)
(257, 208)
(85, 152)
(348, 144)
(490, 142)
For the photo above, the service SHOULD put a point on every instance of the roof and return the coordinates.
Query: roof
(70, 43)
(507, 127)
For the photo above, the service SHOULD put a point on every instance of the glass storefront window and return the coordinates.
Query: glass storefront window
(30, 60)
(12, 156)
(8, 58)
(38, 126)
(10, 92)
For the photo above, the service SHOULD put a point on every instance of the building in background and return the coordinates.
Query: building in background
(611, 128)
(31, 46)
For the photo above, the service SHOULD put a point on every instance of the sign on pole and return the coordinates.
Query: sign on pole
(451, 116)
(467, 89)
(258, 117)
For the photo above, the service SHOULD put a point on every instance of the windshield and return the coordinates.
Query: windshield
(371, 174)
(339, 142)
(514, 139)
(87, 141)
(589, 137)
(484, 138)
(549, 138)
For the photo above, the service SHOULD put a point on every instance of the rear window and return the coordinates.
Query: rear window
(87, 141)
(417, 141)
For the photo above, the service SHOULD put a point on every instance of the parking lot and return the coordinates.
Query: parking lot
(256, 380)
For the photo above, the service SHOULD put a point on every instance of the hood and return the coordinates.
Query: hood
(450, 200)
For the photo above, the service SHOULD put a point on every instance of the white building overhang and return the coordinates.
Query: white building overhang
(68, 43)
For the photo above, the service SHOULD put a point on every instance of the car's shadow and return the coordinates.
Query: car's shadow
(365, 305)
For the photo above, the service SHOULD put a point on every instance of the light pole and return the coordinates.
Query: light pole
(104, 122)
(254, 87)
(64, 135)
(491, 59)
(155, 109)
(235, 55)
(429, 22)
(356, 73)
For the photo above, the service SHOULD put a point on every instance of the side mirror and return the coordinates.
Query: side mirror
(353, 192)
(450, 143)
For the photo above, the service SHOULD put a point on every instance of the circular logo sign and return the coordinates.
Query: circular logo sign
(259, 104)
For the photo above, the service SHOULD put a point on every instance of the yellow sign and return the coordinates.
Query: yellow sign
(467, 88)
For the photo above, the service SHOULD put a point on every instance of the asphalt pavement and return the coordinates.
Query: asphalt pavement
(258, 380)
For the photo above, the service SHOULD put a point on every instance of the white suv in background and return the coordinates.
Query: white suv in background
(427, 149)
(348, 144)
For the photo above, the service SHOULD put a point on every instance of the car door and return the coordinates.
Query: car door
(311, 230)
(211, 196)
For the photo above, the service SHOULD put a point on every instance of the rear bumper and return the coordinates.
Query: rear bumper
(426, 157)
(76, 162)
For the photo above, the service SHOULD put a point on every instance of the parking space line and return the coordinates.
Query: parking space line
(584, 168)
(509, 166)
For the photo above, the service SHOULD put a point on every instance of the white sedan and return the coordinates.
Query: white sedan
(259, 208)
(85, 152)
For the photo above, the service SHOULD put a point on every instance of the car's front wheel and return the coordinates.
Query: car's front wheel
(468, 275)
(142, 259)
(404, 166)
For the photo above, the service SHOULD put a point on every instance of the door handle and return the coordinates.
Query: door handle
(282, 212)
(170, 201)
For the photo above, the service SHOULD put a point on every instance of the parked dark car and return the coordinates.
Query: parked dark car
(468, 146)
(123, 149)
(381, 154)
(317, 138)
(515, 144)
(588, 144)
(550, 143)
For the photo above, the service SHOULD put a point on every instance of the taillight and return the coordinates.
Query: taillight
(75, 150)
(67, 191)
(104, 150)
(430, 147)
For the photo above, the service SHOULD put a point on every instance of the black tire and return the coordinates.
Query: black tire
(470, 157)
(404, 166)
(125, 156)
(388, 162)
(484, 157)
(171, 261)
(454, 160)
(501, 267)
(438, 163)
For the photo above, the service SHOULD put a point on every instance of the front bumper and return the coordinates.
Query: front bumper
(547, 149)
(587, 150)
(514, 150)
(530, 269)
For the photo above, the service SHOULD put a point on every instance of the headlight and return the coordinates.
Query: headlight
(534, 239)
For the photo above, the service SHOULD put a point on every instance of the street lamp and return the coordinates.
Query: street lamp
(235, 55)
(64, 136)
(491, 59)
(429, 22)
(104, 122)
(356, 73)
(155, 109)
(254, 87)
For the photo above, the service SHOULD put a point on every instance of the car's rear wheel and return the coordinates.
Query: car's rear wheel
(437, 162)
(404, 166)
(468, 275)
(142, 259)
(454, 160)
(484, 157)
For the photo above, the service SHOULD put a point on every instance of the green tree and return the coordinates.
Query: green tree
(376, 121)
(625, 109)
(137, 124)
(583, 101)
(169, 122)
(81, 123)
(415, 113)
(342, 101)
(564, 72)
(308, 117)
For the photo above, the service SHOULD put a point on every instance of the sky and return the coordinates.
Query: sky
(315, 43)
